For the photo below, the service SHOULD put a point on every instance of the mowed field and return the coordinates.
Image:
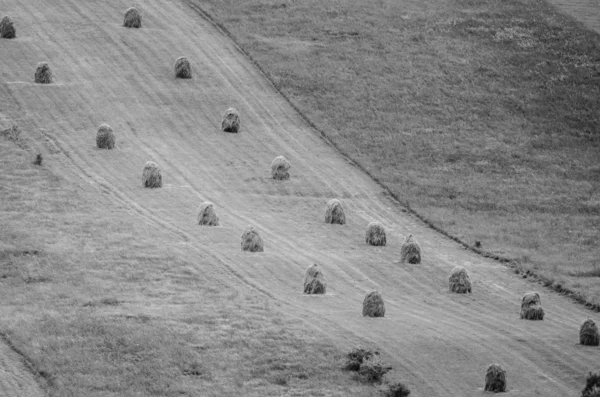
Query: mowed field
(100, 269)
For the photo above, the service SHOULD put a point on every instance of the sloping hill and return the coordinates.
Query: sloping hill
(103, 73)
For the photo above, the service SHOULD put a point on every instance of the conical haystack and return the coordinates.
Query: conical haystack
(334, 212)
(231, 121)
(132, 18)
(183, 69)
(151, 176)
(207, 215)
(314, 281)
(459, 280)
(588, 333)
(280, 168)
(105, 137)
(7, 28)
(410, 251)
(373, 305)
(495, 379)
(251, 240)
(375, 234)
(43, 73)
(531, 307)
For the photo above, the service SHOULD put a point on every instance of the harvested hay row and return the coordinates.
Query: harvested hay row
(105, 137)
(43, 74)
(230, 121)
(495, 379)
(183, 69)
(207, 215)
(314, 281)
(531, 307)
(251, 240)
(373, 305)
(151, 176)
(334, 212)
(132, 18)
(588, 333)
(280, 168)
(7, 28)
(459, 280)
(375, 234)
(410, 251)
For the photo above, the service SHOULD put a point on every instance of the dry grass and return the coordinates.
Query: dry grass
(43, 73)
(410, 251)
(231, 121)
(459, 280)
(531, 307)
(105, 137)
(314, 281)
(132, 18)
(183, 69)
(280, 168)
(151, 175)
(373, 305)
(12, 133)
(375, 234)
(251, 240)
(334, 212)
(207, 215)
(7, 28)
(495, 379)
(588, 333)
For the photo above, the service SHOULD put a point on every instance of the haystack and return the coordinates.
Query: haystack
(207, 215)
(459, 280)
(495, 379)
(43, 74)
(7, 29)
(231, 121)
(588, 333)
(334, 213)
(373, 305)
(251, 240)
(133, 18)
(151, 177)
(183, 69)
(375, 234)
(280, 168)
(410, 252)
(105, 137)
(314, 281)
(531, 307)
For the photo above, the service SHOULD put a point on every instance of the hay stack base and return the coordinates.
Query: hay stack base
(410, 251)
(314, 281)
(375, 234)
(7, 28)
(230, 121)
(373, 305)
(495, 379)
(151, 176)
(251, 240)
(105, 137)
(132, 18)
(459, 280)
(588, 333)
(207, 215)
(280, 168)
(334, 212)
(43, 74)
(183, 69)
(531, 307)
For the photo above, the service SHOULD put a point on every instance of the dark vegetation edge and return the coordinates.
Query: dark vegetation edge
(577, 296)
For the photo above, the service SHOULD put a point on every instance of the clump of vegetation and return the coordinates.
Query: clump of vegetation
(105, 137)
(132, 18)
(495, 379)
(280, 168)
(151, 175)
(251, 240)
(11, 133)
(373, 369)
(397, 390)
(207, 215)
(7, 28)
(459, 280)
(356, 357)
(43, 73)
(592, 385)
(334, 212)
(38, 159)
(231, 121)
(375, 234)
(531, 307)
(314, 281)
(183, 69)
(410, 251)
(588, 333)
(373, 305)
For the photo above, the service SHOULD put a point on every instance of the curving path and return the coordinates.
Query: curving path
(438, 342)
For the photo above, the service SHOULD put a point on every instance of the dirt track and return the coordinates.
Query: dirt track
(440, 343)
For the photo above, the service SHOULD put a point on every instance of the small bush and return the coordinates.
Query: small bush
(397, 390)
(373, 369)
(592, 385)
(356, 357)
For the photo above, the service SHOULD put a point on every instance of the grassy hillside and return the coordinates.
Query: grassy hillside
(480, 115)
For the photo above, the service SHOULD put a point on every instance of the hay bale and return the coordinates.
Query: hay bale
(207, 215)
(334, 212)
(588, 333)
(132, 18)
(375, 234)
(373, 305)
(251, 240)
(459, 280)
(531, 307)
(314, 281)
(43, 74)
(183, 69)
(151, 176)
(495, 379)
(410, 251)
(105, 137)
(7, 29)
(280, 168)
(231, 121)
